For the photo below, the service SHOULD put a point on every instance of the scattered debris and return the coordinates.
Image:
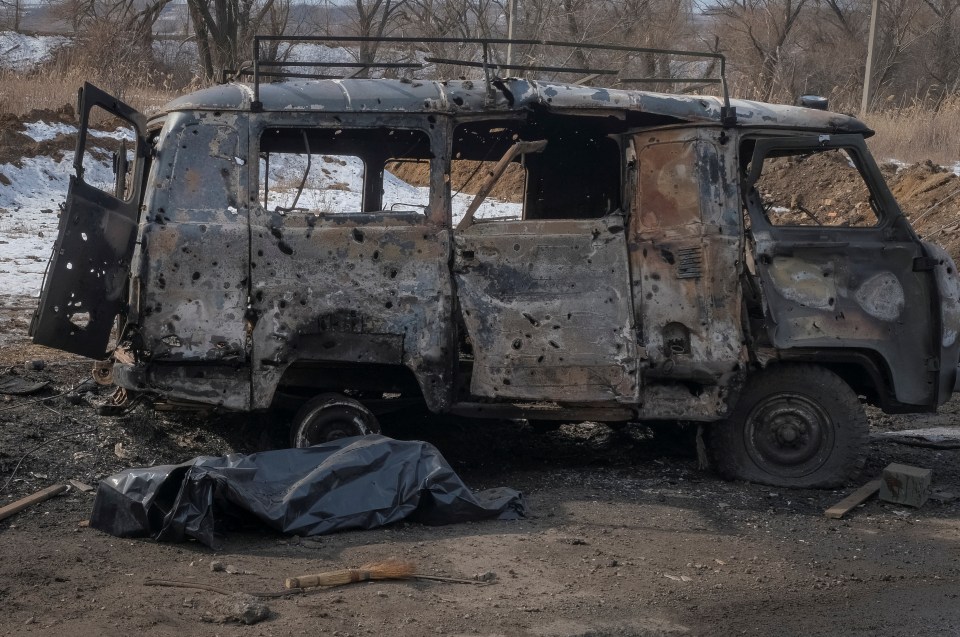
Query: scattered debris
(903, 484)
(16, 386)
(678, 578)
(943, 497)
(81, 486)
(239, 609)
(488, 576)
(933, 437)
(217, 567)
(30, 500)
(855, 499)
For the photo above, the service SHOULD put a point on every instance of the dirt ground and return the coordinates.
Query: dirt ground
(625, 537)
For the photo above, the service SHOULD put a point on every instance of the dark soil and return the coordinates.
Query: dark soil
(626, 537)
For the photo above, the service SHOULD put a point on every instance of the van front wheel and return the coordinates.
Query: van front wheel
(330, 417)
(797, 426)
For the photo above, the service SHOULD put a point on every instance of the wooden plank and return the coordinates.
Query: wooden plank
(23, 503)
(858, 497)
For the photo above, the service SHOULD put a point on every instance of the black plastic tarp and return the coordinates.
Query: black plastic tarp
(353, 483)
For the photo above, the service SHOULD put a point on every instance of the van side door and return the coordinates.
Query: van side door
(86, 280)
(545, 299)
(685, 256)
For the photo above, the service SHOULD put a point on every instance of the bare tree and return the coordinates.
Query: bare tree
(762, 31)
(224, 30)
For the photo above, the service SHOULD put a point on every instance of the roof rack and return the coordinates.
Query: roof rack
(709, 68)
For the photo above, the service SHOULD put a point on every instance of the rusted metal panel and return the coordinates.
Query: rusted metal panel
(194, 253)
(548, 310)
(380, 278)
(948, 289)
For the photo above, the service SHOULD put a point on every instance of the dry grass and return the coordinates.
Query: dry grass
(51, 90)
(917, 133)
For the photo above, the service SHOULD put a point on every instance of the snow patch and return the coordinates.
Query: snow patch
(21, 52)
(29, 216)
(42, 131)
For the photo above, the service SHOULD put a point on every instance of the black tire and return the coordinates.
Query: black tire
(798, 426)
(330, 417)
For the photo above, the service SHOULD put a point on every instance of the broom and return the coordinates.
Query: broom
(387, 569)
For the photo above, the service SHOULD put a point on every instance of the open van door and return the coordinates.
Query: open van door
(85, 284)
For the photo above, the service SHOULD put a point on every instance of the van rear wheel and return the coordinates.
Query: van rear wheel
(797, 426)
(330, 417)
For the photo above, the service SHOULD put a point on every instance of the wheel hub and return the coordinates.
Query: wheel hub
(789, 432)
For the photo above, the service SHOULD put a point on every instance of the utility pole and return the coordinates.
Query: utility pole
(865, 102)
(510, 8)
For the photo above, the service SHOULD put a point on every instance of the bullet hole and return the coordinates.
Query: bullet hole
(276, 233)
(69, 266)
(285, 248)
(458, 101)
(516, 247)
(517, 344)
(534, 322)
(393, 274)
(259, 253)
(388, 304)
(554, 345)
(196, 276)
(506, 381)
(357, 235)
(283, 305)
(161, 282)
(540, 358)
(83, 235)
(376, 255)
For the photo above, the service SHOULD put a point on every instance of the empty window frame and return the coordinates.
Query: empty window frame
(577, 175)
(814, 187)
(329, 171)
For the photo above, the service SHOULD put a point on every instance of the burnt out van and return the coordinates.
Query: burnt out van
(507, 245)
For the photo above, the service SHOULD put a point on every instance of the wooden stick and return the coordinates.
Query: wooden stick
(455, 580)
(856, 498)
(387, 569)
(30, 500)
(213, 589)
(518, 148)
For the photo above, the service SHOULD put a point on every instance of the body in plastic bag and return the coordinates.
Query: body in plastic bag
(352, 483)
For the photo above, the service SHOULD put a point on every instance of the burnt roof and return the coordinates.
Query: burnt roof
(514, 94)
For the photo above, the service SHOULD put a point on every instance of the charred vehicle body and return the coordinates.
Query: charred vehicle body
(645, 269)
